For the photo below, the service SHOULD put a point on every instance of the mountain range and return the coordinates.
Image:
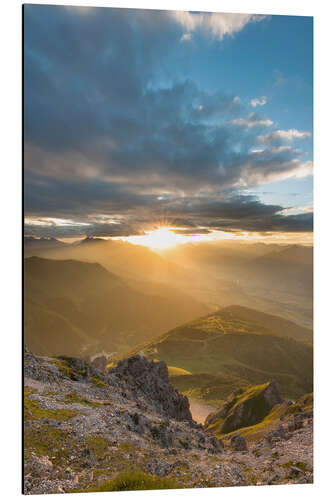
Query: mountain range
(77, 308)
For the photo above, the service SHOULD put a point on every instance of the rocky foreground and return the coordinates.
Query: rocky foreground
(83, 427)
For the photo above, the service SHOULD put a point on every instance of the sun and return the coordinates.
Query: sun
(160, 238)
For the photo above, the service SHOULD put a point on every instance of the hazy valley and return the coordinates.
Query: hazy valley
(106, 320)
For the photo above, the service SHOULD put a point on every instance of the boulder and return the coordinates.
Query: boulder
(100, 363)
(276, 435)
(238, 442)
(38, 466)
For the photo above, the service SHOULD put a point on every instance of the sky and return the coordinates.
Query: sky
(136, 120)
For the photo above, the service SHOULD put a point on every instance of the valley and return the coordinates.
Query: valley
(162, 374)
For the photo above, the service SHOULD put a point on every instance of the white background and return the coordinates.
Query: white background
(10, 248)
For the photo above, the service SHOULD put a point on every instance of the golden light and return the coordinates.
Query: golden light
(160, 238)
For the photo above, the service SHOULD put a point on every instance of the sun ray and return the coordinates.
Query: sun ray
(162, 237)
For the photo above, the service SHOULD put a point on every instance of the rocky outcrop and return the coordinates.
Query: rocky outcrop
(135, 377)
(151, 379)
(272, 394)
(84, 427)
(100, 363)
(238, 442)
(245, 408)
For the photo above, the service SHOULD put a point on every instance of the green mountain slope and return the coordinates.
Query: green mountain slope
(91, 309)
(245, 408)
(238, 318)
(211, 388)
(225, 343)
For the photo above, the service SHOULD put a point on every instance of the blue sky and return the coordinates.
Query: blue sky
(131, 117)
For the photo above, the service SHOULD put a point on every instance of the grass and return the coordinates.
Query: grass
(63, 367)
(231, 343)
(72, 397)
(255, 407)
(98, 382)
(175, 371)
(34, 411)
(98, 446)
(133, 481)
(126, 447)
(47, 440)
(300, 465)
(258, 431)
(303, 404)
(209, 387)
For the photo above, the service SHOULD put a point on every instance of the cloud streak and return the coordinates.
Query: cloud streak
(253, 120)
(283, 135)
(216, 25)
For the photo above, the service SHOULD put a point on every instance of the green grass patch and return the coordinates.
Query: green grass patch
(72, 397)
(34, 411)
(98, 382)
(47, 440)
(126, 447)
(300, 465)
(174, 371)
(255, 405)
(98, 446)
(256, 431)
(238, 342)
(133, 481)
(209, 387)
(63, 367)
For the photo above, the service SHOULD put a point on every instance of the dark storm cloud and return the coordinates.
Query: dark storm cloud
(107, 131)
(241, 213)
(191, 217)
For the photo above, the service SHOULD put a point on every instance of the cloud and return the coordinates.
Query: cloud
(258, 101)
(216, 25)
(186, 37)
(202, 216)
(283, 135)
(253, 120)
(109, 132)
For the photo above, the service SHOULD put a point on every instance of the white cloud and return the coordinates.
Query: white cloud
(251, 121)
(282, 171)
(186, 37)
(256, 151)
(258, 101)
(285, 135)
(216, 24)
(304, 209)
(52, 221)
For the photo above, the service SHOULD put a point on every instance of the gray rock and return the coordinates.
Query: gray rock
(238, 442)
(151, 379)
(100, 363)
(295, 471)
(249, 410)
(273, 479)
(38, 466)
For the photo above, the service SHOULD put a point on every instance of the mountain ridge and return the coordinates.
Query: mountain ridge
(96, 302)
